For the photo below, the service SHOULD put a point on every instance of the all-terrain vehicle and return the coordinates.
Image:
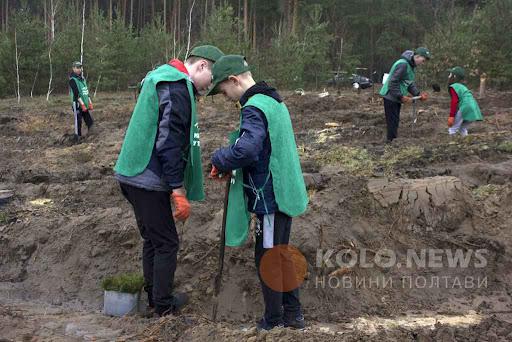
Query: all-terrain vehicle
(357, 81)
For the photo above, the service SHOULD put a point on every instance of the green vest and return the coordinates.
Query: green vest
(237, 215)
(405, 83)
(83, 92)
(289, 188)
(142, 130)
(467, 103)
(288, 182)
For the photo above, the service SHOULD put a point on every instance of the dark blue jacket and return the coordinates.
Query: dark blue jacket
(251, 152)
(167, 164)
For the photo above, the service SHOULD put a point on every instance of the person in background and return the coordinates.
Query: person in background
(399, 84)
(80, 101)
(463, 108)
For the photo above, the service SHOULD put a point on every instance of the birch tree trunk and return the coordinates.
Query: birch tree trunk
(6, 15)
(295, 18)
(189, 27)
(53, 12)
(17, 65)
(131, 14)
(51, 74)
(110, 14)
(254, 28)
(178, 16)
(246, 19)
(83, 31)
(165, 16)
(45, 14)
(34, 83)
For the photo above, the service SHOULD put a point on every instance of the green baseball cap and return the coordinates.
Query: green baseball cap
(77, 64)
(458, 72)
(423, 51)
(226, 66)
(209, 52)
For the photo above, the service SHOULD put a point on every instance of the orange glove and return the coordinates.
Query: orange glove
(83, 107)
(181, 205)
(406, 99)
(90, 106)
(216, 175)
(424, 96)
(451, 121)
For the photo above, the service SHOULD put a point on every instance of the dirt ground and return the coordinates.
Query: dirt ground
(66, 226)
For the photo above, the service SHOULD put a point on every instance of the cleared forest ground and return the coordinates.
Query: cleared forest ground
(67, 225)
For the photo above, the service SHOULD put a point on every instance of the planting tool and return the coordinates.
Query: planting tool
(414, 115)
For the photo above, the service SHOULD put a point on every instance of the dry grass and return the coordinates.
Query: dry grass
(354, 160)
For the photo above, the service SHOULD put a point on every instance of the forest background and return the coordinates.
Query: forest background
(290, 43)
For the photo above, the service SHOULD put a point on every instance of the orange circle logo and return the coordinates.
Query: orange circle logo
(283, 268)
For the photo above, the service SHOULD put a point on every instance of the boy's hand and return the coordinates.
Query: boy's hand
(83, 107)
(451, 121)
(406, 99)
(90, 106)
(181, 205)
(424, 96)
(216, 175)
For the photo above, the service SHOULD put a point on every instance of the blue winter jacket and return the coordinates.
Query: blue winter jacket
(251, 153)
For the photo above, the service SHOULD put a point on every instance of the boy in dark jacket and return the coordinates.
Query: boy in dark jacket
(80, 101)
(266, 153)
(160, 160)
(401, 82)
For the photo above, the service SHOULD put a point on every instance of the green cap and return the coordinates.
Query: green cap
(77, 64)
(458, 72)
(209, 52)
(423, 51)
(226, 66)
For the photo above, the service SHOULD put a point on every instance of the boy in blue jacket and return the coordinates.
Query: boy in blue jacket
(266, 153)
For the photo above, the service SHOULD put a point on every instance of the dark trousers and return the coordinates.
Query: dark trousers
(79, 116)
(392, 110)
(161, 243)
(276, 301)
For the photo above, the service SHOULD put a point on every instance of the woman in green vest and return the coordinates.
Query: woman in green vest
(463, 108)
(160, 163)
(399, 84)
(80, 101)
(267, 181)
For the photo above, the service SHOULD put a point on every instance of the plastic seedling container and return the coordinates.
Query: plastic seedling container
(120, 303)
(121, 294)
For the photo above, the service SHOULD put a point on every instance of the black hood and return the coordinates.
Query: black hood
(72, 74)
(260, 88)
